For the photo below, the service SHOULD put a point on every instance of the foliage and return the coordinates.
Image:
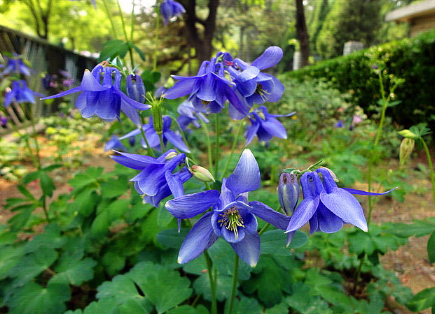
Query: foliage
(409, 59)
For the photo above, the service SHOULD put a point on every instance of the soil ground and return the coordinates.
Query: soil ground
(410, 262)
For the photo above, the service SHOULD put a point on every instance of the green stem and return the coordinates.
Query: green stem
(236, 138)
(130, 50)
(26, 141)
(162, 145)
(266, 226)
(150, 150)
(156, 37)
(429, 161)
(358, 272)
(109, 16)
(235, 277)
(32, 121)
(44, 208)
(212, 283)
(207, 135)
(216, 151)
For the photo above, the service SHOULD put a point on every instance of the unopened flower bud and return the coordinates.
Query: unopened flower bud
(171, 155)
(201, 174)
(408, 134)
(136, 88)
(406, 148)
(288, 192)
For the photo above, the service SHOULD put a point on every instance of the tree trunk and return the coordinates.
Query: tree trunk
(302, 32)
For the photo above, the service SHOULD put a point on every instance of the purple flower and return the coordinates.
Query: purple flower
(20, 93)
(101, 95)
(265, 126)
(209, 89)
(339, 124)
(156, 180)
(189, 115)
(252, 84)
(16, 66)
(232, 216)
(170, 9)
(114, 143)
(153, 137)
(326, 206)
(3, 121)
(136, 88)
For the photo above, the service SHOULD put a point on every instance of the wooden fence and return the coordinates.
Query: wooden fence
(44, 58)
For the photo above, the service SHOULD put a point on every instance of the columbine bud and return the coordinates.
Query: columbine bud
(171, 155)
(201, 174)
(408, 134)
(288, 192)
(136, 88)
(406, 148)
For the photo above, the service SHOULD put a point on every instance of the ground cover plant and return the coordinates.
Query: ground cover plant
(203, 210)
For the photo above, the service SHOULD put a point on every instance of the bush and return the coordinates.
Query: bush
(410, 59)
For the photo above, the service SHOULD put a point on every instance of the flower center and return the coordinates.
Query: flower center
(205, 102)
(231, 219)
(260, 91)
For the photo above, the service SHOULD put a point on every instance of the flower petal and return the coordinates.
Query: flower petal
(251, 132)
(303, 213)
(190, 205)
(200, 238)
(327, 221)
(131, 113)
(175, 184)
(90, 83)
(269, 58)
(71, 91)
(176, 140)
(230, 236)
(249, 248)
(181, 88)
(345, 206)
(274, 127)
(246, 175)
(360, 192)
(248, 74)
(269, 215)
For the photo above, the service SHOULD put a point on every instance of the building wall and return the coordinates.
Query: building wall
(422, 24)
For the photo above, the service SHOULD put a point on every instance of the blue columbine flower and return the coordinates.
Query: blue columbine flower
(20, 93)
(252, 84)
(189, 115)
(16, 66)
(265, 126)
(232, 216)
(170, 9)
(114, 143)
(101, 95)
(153, 137)
(326, 206)
(209, 89)
(156, 180)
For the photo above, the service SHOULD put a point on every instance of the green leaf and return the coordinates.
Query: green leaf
(113, 262)
(223, 287)
(171, 238)
(418, 228)
(99, 307)
(422, 300)
(9, 257)
(431, 247)
(243, 306)
(162, 286)
(47, 184)
(25, 192)
(30, 177)
(72, 271)
(273, 242)
(269, 280)
(164, 217)
(50, 238)
(19, 221)
(35, 299)
(113, 48)
(51, 167)
(137, 211)
(139, 52)
(32, 265)
(86, 201)
(184, 309)
(84, 179)
(114, 188)
(303, 301)
(121, 289)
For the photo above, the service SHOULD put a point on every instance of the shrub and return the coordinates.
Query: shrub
(410, 59)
